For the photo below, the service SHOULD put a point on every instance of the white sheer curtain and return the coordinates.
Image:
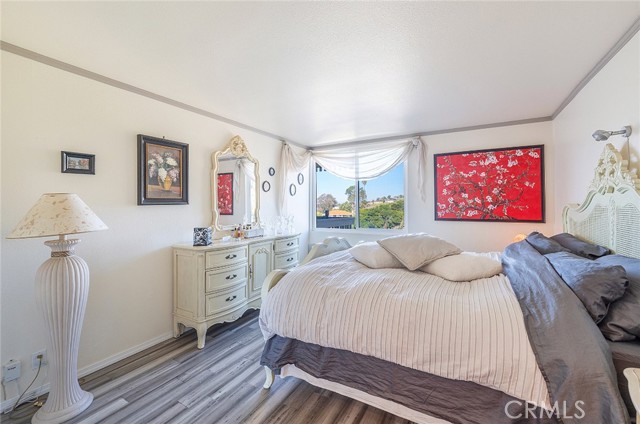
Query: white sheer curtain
(362, 162)
(290, 161)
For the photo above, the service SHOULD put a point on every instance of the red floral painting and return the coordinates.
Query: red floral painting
(490, 185)
(225, 193)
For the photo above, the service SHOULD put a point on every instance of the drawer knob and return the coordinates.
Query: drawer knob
(290, 243)
(289, 259)
(231, 277)
(230, 298)
(233, 256)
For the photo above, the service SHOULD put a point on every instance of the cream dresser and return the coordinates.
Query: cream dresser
(218, 283)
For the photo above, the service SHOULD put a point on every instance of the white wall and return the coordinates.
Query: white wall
(476, 236)
(482, 236)
(46, 110)
(609, 101)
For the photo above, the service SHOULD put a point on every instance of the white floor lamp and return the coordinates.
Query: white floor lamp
(62, 288)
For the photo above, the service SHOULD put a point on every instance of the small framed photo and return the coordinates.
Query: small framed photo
(78, 163)
(163, 171)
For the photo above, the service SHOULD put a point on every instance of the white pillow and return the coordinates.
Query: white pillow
(373, 255)
(416, 250)
(463, 267)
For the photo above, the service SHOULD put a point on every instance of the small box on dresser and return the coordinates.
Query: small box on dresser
(218, 283)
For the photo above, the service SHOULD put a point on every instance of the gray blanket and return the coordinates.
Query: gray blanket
(571, 352)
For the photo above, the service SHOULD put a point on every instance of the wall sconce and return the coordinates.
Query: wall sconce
(602, 135)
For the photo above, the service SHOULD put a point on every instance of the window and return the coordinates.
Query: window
(358, 204)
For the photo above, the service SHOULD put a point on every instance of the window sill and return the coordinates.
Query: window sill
(370, 231)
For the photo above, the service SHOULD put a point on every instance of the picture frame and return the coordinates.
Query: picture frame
(292, 190)
(77, 163)
(490, 185)
(266, 186)
(300, 179)
(163, 171)
(225, 193)
(272, 171)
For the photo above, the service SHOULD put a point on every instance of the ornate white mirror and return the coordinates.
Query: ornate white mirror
(235, 185)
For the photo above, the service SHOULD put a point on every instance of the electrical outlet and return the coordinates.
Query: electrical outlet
(11, 370)
(35, 361)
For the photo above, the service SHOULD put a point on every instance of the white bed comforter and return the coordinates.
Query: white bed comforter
(465, 331)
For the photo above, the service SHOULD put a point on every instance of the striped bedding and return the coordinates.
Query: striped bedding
(470, 331)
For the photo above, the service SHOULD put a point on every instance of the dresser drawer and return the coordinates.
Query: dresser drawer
(286, 244)
(226, 257)
(223, 278)
(228, 299)
(286, 260)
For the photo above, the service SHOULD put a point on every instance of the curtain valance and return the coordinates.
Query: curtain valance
(362, 162)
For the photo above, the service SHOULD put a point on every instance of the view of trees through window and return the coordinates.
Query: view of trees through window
(349, 204)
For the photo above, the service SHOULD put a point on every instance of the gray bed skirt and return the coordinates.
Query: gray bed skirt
(456, 401)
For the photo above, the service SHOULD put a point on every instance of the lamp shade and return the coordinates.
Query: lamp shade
(57, 214)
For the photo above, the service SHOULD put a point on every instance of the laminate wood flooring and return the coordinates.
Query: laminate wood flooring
(174, 382)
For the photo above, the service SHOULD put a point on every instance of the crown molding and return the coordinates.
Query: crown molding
(29, 54)
(37, 57)
(626, 37)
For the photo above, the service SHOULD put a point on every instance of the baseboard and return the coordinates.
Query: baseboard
(6, 405)
(123, 355)
(41, 390)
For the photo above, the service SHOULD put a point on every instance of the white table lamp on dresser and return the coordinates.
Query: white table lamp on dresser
(62, 288)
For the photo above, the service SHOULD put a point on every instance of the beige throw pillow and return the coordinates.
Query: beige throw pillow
(463, 267)
(416, 250)
(373, 255)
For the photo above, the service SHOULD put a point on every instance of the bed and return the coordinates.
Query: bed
(501, 368)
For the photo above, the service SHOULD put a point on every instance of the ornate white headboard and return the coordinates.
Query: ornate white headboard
(610, 214)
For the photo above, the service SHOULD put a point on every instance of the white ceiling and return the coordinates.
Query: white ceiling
(318, 72)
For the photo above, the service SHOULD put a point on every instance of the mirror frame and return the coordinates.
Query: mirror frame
(238, 149)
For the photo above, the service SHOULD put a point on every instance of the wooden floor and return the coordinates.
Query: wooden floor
(174, 382)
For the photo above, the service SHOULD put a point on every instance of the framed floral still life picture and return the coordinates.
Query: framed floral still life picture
(225, 193)
(163, 171)
(499, 185)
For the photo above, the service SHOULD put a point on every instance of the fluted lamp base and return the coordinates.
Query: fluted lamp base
(62, 289)
(63, 415)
